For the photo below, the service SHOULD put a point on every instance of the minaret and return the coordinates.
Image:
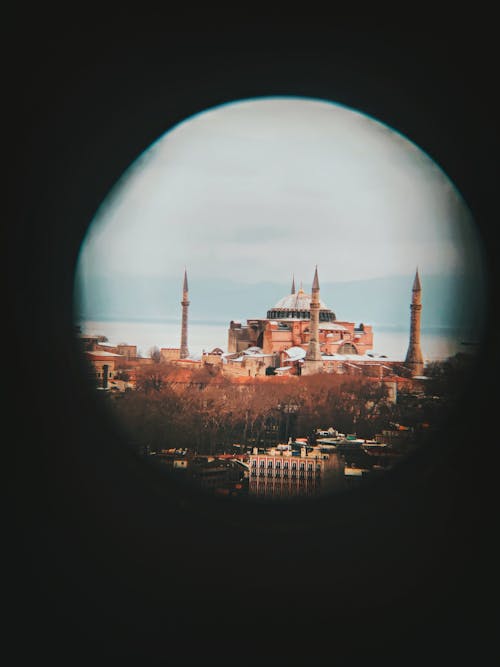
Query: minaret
(313, 362)
(184, 352)
(293, 285)
(414, 359)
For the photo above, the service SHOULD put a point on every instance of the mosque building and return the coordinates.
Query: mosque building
(301, 328)
(301, 335)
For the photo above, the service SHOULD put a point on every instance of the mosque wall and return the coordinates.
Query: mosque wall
(170, 353)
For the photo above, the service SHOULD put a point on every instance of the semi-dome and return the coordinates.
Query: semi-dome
(295, 353)
(298, 305)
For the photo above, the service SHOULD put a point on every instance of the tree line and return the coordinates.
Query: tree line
(209, 412)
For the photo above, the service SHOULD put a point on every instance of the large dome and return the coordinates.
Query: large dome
(298, 306)
(299, 301)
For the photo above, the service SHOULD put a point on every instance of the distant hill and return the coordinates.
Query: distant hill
(448, 301)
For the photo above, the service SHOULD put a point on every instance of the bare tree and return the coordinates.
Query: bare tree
(154, 354)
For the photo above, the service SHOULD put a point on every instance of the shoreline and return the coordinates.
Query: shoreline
(438, 343)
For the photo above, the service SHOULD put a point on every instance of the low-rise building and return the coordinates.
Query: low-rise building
(283, 472)
(104, 365)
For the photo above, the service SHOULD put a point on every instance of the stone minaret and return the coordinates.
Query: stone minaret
(313, 362)
(414, 359)
(184, 352)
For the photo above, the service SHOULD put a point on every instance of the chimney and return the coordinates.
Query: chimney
(105, 371)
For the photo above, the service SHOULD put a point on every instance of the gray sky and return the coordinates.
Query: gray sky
(260, 189)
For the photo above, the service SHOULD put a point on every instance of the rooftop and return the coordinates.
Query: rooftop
(295, 353)
(103, 353)
(331, 326)
(359, 357)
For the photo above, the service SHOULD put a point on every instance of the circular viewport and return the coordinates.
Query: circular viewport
(280, 299)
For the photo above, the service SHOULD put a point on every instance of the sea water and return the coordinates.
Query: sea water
(436, 344)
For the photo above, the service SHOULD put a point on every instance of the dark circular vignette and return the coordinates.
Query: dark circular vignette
(414, 558)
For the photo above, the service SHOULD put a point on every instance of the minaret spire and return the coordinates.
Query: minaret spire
(414, 359)
(315, 285)
(293, 285)
(184, 352)
(416, 282)
(313, 362)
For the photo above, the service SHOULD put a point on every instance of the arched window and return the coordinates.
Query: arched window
(347, 348)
